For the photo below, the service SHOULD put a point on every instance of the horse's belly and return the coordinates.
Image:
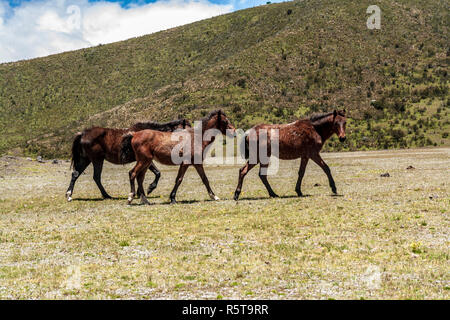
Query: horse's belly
(164, 159)
(113, 158)
(290, 152)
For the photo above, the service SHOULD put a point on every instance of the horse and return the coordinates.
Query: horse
(97, 144)
(300, 139)
(149, 145)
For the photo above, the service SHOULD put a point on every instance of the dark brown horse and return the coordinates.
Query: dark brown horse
(149, 145)
(97, 144)
(301, 139)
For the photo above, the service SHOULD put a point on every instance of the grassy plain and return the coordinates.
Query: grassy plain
(380, 238)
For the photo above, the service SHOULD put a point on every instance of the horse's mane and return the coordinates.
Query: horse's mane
(320, 116)
(166, 126)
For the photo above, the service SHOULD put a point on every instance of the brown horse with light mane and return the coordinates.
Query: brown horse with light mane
(301, 139)
(97, 144)
(149, 145)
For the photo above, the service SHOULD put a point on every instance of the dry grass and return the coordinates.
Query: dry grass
(383, 238)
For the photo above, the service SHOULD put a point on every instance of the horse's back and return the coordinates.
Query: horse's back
(102, 143)
(295, 139)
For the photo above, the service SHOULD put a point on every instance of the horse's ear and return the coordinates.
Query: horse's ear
(219, 114)
(184, 123)
(335, 113)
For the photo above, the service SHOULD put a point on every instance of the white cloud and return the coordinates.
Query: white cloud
(36, 29)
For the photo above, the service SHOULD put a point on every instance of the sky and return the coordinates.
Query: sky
(37, 28)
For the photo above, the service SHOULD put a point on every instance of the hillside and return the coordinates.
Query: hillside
(271, 63)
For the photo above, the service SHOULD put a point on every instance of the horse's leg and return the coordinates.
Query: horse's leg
(157, 173)
(132, 193)
(140, 181)
(301, 173)
(318, 159)
(98, 166)
(263, 178)
(242, 172)
(201, 173)
(180, 175)
(133, 174)
(79, 168)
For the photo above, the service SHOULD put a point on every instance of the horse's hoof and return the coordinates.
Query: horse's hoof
(130, 198)
(214, 197)
(150, 190)
(274, 196)
(107, 197)
(69, 196)
(173, 202)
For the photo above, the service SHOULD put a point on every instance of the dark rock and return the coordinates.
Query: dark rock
(410, 168)
(317, 185)
(55, 161)
(385, 175)
(39, 159)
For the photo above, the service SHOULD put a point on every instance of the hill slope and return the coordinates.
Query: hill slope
(271, 63)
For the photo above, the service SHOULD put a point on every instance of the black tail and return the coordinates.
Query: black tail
(76, 150)
(126, 149)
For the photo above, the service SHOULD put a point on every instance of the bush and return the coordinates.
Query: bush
(377, 104)
(241, 83)
(397, 134)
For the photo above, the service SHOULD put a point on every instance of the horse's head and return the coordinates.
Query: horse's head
(339, 122)
(224, 124)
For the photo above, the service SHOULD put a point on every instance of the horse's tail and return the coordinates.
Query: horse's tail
(126, 149)
(76, 150)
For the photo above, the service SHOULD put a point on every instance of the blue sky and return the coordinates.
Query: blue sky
(36, 28)
(123, 3)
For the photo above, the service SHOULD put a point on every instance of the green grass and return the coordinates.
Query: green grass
(381, 238)
(260, 65)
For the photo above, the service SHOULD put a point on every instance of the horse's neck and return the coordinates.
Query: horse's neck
(206, 128)
(324, 129)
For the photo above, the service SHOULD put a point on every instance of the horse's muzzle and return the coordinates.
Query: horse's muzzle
(231, 132)
(342, 139)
